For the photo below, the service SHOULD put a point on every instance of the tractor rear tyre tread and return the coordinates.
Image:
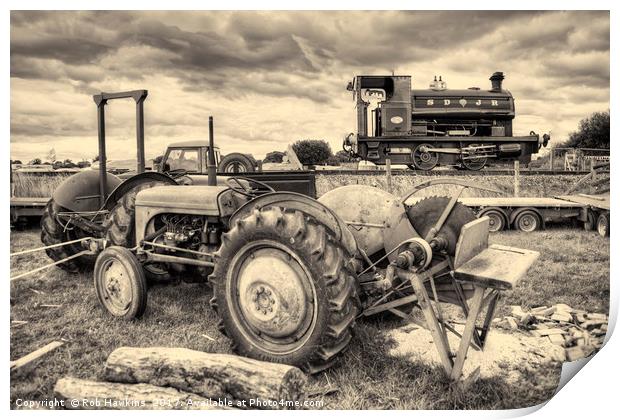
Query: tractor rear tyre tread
(120, 227)
(121, 220)
(52, 233)
(334, 281)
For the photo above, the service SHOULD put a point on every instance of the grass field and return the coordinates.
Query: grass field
(573, 269)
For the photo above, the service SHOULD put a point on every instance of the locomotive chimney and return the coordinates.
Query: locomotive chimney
(496, 81)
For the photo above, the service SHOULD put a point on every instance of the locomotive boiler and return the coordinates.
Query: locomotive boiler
(423, 128)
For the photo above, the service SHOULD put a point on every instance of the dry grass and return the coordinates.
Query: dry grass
(530, 185)
(573, 269)
(37, 184)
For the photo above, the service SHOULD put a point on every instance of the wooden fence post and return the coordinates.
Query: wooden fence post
(516, 179)
(388, 174)
(551, 153)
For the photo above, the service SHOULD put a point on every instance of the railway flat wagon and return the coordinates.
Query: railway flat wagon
(532, 213)
(525, 213)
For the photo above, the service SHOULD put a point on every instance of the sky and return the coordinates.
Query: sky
(271, 78)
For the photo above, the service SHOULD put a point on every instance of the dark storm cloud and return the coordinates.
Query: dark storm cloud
(305, 44)
(268, 61)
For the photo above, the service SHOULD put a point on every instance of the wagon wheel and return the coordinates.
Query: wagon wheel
(590, 223)
(602, 224)
(424, 160)
(527, 221)
(497, 220)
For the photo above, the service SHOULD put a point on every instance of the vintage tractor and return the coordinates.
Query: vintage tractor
(290, 275)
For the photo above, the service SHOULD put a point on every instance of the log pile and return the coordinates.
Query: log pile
(579, 332)
(177, 378)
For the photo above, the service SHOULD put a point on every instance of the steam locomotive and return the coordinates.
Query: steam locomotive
(423, 128)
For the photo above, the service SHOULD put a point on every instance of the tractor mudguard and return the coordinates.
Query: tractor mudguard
(130, 183)
(307, 205)
(80, 192)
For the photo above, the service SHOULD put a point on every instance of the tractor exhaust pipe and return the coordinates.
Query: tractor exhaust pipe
(211, 166)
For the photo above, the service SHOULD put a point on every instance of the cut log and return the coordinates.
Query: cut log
(81, 394)
(206, 374)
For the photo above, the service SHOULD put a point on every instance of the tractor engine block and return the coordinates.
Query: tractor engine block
(182, 230)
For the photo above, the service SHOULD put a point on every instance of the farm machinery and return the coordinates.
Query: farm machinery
(290, 275)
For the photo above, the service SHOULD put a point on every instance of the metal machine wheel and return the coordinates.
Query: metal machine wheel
(527, 221)
(423, 160)
(120, 283)
(474, 164)
(54, 232)
(497, 220)
(602, 224)
(424, 214)
(286, 295)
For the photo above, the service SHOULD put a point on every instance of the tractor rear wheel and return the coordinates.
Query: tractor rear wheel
(284, 291)
(54, 232)
(120, 229)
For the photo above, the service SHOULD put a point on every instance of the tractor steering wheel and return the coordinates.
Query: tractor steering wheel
(235, 184)
(176, 173)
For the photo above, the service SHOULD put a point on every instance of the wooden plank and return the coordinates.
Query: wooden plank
(498, 266)
(29, 201)
(388, 174)
(439, 338)
(31, 357)
(596, 201)
(468, 333)
(517, 185)
(474, 238)
(292, 157)
(392, 304)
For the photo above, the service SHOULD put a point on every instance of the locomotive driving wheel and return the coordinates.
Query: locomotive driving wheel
(423, 159)
(473, 161)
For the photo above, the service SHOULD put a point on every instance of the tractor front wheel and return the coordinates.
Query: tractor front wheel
(120, 283)
(284, 291)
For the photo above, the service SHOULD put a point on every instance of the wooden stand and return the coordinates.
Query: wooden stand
(487, 270)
